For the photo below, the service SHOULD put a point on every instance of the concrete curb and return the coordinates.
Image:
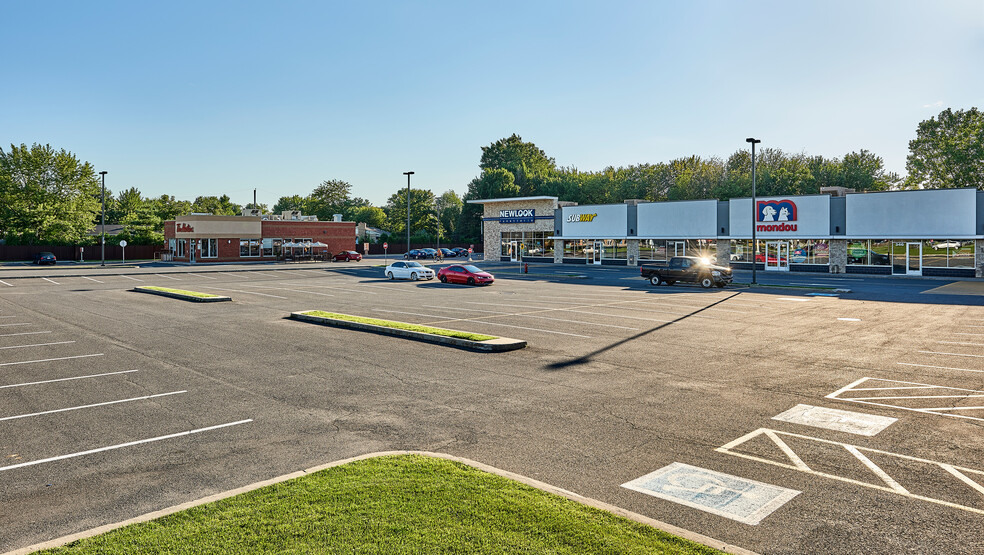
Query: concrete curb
(669, 528)
(173, 295)
(499, 345)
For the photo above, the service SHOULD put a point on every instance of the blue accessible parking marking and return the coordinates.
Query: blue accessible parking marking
(746, 501)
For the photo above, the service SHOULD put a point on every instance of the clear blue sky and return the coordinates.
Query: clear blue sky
(211, 98)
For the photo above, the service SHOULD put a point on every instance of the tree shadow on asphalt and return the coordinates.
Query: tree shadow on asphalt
(584, 359)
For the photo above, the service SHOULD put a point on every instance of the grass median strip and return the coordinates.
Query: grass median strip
(390, 504)
(180, 293)
(402, 325)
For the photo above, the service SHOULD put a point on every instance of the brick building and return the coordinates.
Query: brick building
(251, 237)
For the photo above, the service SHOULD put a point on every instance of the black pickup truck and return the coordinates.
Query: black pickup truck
(688, 269)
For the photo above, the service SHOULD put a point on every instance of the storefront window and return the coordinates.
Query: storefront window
(210, 248)
(948, 253)
(249, 247)
(869, 252)
(741, 250)
(574, 249)
(809, 252)
(614, 249)
(179, 249)
(652, 249)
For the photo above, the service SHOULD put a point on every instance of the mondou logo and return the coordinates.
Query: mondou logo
(780, 211)
(581, 217)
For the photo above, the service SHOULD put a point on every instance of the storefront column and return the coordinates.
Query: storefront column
(723, 252)
(979, 258)
(558, 251)
(632, 251)
(838, 256)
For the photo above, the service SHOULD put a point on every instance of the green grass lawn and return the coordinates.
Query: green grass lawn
(394, 504)
(180, 291)
(402, 325)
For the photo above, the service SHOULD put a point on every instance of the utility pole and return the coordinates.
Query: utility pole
(103, 174)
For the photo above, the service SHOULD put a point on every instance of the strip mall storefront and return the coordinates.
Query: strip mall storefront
(926, 232)
(206, 238)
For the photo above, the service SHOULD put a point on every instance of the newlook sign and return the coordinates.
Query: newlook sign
(517, 216)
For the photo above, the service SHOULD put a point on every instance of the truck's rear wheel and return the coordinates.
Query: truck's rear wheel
(706, 282)
(655, 280)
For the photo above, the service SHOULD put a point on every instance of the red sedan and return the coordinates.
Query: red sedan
(464, 273)
(346, 256)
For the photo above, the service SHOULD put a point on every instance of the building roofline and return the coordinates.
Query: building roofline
(513, 199)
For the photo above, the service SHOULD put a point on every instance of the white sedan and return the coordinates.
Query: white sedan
(409, 270)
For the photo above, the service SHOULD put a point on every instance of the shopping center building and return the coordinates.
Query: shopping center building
(937, 232)
(252, 236)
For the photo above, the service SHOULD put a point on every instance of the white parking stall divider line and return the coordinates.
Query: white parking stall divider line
(143, 398)
(5, 283)
(38, 345)
(167, 277)
(50, 359)
(890, 485)
(890, 401)
(122, 445)
(341, 289)
(51, 281)
(92, 279)
(289, 289)
(507, 314)
(264, 275)
(67, 379)
(247, 292)
(128, 277)
(793, 299)
(939, 367)
(444, 320)
(950, 354)
(965, 333)
(232, 275)
(961, 343)
(17, 324)
(202, 276)
(23, 333)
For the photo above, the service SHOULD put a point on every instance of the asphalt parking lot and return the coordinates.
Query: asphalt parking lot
(660, 400)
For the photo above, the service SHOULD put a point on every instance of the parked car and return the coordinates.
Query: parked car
(347, 256)
(430, 253)
(44, 258)
(947, 245)
(465, 273)
(689, 269)
(448, 253)
(461, 252)
(408, 270)
(414, 254)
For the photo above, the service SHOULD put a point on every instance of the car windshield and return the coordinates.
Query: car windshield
(414, 265)
(473, 269)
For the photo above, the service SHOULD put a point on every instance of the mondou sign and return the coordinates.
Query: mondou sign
(517, 216)
(775, 215)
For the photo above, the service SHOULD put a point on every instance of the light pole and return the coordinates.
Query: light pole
(408, 174)
(754, 209)
(103, 174)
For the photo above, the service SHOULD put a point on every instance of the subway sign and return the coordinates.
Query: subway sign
(518, 216)
(575, 218)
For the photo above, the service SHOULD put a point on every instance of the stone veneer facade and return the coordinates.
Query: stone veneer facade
(493, 229)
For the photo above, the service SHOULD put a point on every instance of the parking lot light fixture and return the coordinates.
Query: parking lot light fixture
(408, 174)
(103, 174)
(754, 210)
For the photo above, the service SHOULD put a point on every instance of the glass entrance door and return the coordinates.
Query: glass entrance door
(679, 248)
(599, 247)
(777, 256)
(514, 254)
(906, 259)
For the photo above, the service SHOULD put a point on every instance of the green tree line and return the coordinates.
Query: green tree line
(51, 197)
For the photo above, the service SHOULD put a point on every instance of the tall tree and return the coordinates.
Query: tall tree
(329, 198)
(421, 208)
(46, 196)
(948, 151)
(529, 165)
(293, 202)
(217, 206)
(449, 206)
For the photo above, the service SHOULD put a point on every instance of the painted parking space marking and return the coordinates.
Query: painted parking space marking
(480, 320)
(37, 345)
(914, 396)
(51, 280)
(265, 275)
(746, 501)
(16, 324)
(80, 407)
(961, 343)
(525, 315)
(167, 277)
(67, 379)
(122, 445)
(247, 292)
(128, 277)
(5, 283)
(23, 333)
(849, 319)
(793, 299)
(964, 333)
(50, 359)
(926, 479)
(202, 276)
(233, 275)
(292, 290)
(836, 419)
(92, 279)
(359, 291)
(950, 354)
(938, 367)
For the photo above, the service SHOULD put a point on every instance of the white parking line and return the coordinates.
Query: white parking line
(232, 275)
(959, 333)
(241, 291)
(202, 276)
(68, 379)
(92, 279)
(128, 277)
(23, 333)
(793, 299)
(17, 324)
(5, 283)
(361, 292)
(507, 314)
(291, 290)
(167, 277)
(951, 354)
(50, 359)
(145, 397)
(121, 445)
(51, 280)
(961, 343)
(38, 345)
(264, 274)
(476, 320)
(850, 319)
(939, 367)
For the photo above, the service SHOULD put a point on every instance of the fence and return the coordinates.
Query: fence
(94, 252)
(400, 248)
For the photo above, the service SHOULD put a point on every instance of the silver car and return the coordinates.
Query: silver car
(408, 270)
